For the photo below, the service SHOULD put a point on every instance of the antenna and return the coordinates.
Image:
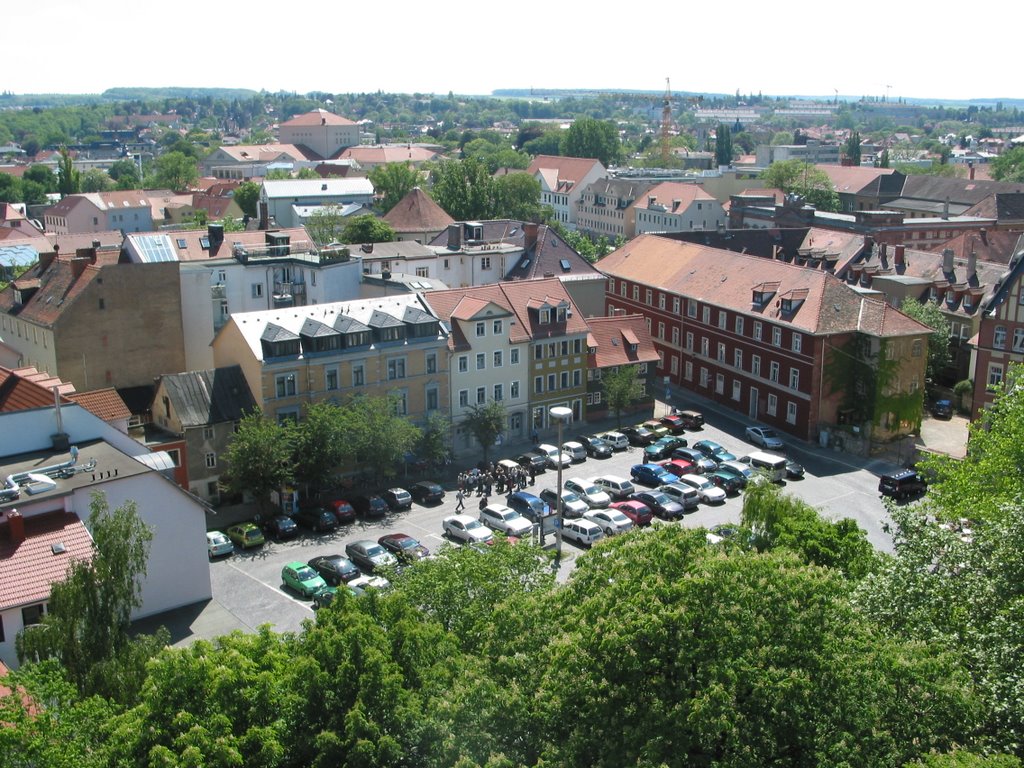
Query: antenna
(666, 122)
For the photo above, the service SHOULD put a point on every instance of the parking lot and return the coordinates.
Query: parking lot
(247, 585)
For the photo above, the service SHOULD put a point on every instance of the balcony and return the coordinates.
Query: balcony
(218, 291)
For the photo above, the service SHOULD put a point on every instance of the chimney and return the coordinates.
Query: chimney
(530, 230)
(78, 265)
(96, 244)
(323, 121)
(46, 259)
(215, 234)
(366, 247)
(984, 236)
(899, 258)
(15, 527)
(945, 209)
(883, 251)
(972, 264)
(970, 171)
(947, 260)
(454, 237)
(264, 215)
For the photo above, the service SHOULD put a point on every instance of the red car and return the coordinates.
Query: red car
(674, 423)
(342, 510)
(679, 467)
(639, 513)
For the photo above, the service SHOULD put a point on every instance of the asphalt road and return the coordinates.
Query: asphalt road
(247, 585)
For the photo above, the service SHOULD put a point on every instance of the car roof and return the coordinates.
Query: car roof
(461, 518)
(394, 537)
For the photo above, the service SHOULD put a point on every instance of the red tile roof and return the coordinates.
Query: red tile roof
(389, 153)
(60, 287)
(29, 568)
(417, 212)
(852, 178)
(613, 336)
(318, 117)
(23, 389)
(668, 192)
(104, 403)
(570, 170)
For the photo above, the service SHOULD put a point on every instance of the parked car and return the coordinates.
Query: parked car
(302, 579)
(369, 555)
(370, 506)
(691, 419)
(766, 437)
(218, 544)
(639, 435)
(617, 487)
(902, 484)
(527, 505)
(617, 440)
(467, 530)
(555, 456)
(651, 475)
(404, 547)
(663, 447)
(317, 519)
(636, 511)
(572, 505)
(655, 426)
(575, 450)
(714, 451)
(682, 494)
(342, 509)
(534, 458)
(679, 467)
(794, 470)
(709, 493)
(660, 504)
(942, 409)
(674, 423)
(727, 481)
(742, 471)
(328, 595)
(364, 582)
(334, 569)
(583, 532)
(397, 499)
(611, 521)
(591, 493)
(701, 462)
(596, 447)
(246, 535)
(281, 527)
(498, 517)
(427, 492)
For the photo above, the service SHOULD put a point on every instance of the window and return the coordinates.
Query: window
(211, 460)
(431, 362)
(481, 361)
(688, 371)
(721, 352)
(757, 330)
(648, 297)
(776, 336)
(32, 614)
(773, 372)
(791, 412)
(999, 337)
(773, 405)
(661, 300)
(551, 382)
(208, 433)
(463, 398)
(689, 341)
(691, 308)
(661, 330)
(564, 380)
(705, 346)
(285, 384)
(485, 262)
(400, 398)
(420, 272)
(538, 352)
(675, 305)
(739, 325)
(331, 378)
(481, 328)
(577, 377)
(622, 289)
(513, 390)
(794, 378)
(675, 337)
(674, 365)
(538, 385)
(577, 346)
(396, 368)
(755, 365)
(703, 377)
(1018, 340)
(358, 375)
(432, 398)
(481, 395)
(995, 375)
(737, 359)
(463, 363)
(720, 383)
(705, 315)
(103, 304)
(496, 327)
(737, 389)
(499, 393)
(513, 356)
(257, 290)
(565, 348)
(722, 319)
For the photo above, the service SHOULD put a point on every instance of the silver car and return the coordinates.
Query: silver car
(572, 505)
(611, 521)
(592, 494)
(369, 555)
(498, 517)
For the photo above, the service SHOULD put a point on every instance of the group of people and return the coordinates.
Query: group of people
(490, 477)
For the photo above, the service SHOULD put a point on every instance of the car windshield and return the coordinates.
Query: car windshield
(473, 524)
(592, 490)
(375, 550)
(658, 498)
(304, 574)
(569, 496)
(252, 533)
(409, 543)
(768, 432)
(618, 517)
(218, 538)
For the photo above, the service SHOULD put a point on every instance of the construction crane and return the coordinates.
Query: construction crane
(666, 124)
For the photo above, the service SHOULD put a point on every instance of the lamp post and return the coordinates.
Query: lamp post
(562, 415)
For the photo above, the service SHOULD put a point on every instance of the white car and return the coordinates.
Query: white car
(766, 437)
(572, 505)
(362, 582)
(585, 533)
(709, 492)
(592, 494)
(467, 529)
(611, 521)
(575, 450)
(617, 440)
(218, 544)
(555, 456)
(498, 517)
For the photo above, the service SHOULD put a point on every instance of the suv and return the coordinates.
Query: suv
(902, 484)
(691, 419)
(617, 440)
(397, 498)
(619, 488)
(370, 506)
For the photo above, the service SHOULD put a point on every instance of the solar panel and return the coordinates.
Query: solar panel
(565, 265)
(155, 248)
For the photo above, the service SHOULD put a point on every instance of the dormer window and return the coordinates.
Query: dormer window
(545, 316)
(562, 314)
(764, 293)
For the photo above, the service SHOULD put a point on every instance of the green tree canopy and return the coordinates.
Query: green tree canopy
(598, 139)
(393, 181)
(377, 432)
(723, 145)
(367, 229)
(485, 423)
(929, 313)
(126, 174)
(804, 179)
(463, 188)
(318, 444)
(851, 149)
(1009, 166)
(247, 195)
(259, 458)
(622, 388)
(95, 180)
(326, 225)
(41, 174)
(517, 196)
(176, 171)
(69, 180)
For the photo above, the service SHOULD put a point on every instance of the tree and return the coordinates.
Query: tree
(95, 180)
(463, 188)
(377, 435)
(883, 160)
(517, 196)
(247, 195)
(318, 444)
(591, 138)
(176, 171)
(10, 188)
(126, 174)
(69, 180)
(89, 613)
(393, 181)
(42, 175)
(929, 313)
(259, 458)
(1009, 166)
(622, 388)
(435, 439)
(326, 225)
(803, 179)
(852, 148)
(485, 423)
(367, 229)
(723, 145)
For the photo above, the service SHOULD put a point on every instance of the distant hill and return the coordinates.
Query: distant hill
(128, 94)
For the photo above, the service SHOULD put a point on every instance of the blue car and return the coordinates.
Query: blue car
(651, 474)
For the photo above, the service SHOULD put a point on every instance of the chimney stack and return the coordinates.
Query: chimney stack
(972, 264)
(264, 216)
(970, 171)
(984, 236)
(46, 259)
(215, 234)
(530, 230)
(947, 260)
(454, 237)
(945, 209)
(15, 527)
(899, 257)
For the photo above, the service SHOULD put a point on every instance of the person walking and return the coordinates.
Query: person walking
(460, 497)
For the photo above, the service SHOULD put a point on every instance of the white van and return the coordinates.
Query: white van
(618, 488)
(617, 440)
(575, 450)
(772, 465)
(583, 532)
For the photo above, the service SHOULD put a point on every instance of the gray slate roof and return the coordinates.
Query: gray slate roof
(201, 398)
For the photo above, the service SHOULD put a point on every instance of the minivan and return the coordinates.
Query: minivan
(617, 440)
(902, 484)
(619, 488)
(583, 532)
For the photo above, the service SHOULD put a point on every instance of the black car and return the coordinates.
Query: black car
(663, 506)
(596, 447)
(535, 459)
(317, 519)
(427, 492)
(334, 569)
(370, 506)
(942, 409)
(902, 484)
(281, 527)
(638, 435)
(727, 481)
(794, 470)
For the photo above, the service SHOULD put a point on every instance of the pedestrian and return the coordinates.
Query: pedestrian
(460, 497)
(483, 502)
(533, 474)
(535, 437)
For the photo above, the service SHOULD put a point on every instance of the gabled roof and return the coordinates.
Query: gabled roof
(58, 288)
(389, 153)
(417, 212)
(318, 188)
(317, 117)
(26, 388)
(52, 543)
(562, 173)
(668, 192)
(620, 340)
(104, 403)
(266, 153)
(853, 179)
(215, 396)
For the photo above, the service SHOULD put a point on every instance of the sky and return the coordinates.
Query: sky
(937, 50)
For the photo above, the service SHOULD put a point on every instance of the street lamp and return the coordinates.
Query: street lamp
(562, 415)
